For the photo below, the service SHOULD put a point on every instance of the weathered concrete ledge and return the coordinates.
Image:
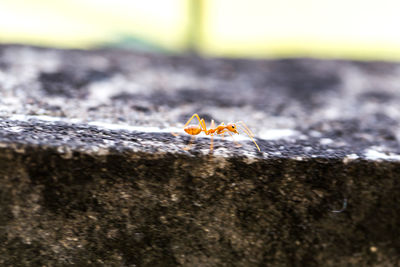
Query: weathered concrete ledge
(85, 181)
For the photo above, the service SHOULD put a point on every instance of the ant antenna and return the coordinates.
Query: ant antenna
(250, 134)
(247, 128)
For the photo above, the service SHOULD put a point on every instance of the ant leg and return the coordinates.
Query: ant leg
(228, 132)
(212, 137)
(190, 144)
(234, 141)
(203, 125)
(223, 132)
(212, 124)
(194, 115)
(212, 143)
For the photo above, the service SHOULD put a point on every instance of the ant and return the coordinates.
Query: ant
(230, 128)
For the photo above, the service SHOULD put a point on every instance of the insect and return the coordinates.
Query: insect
(222, 129)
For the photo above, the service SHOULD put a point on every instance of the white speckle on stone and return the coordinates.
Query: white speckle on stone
(108, 142)
(307, 148)
(373, 154)
(99, 151)
(276, 134)
(174, 198)
(325, 141)
(250, 157)
(220, 152)
(111, 126)
(65, 152)
(330, 113)
(299, 158)
(303, 137)
(315, 134)
(102, 92)
(18, 117)
(20, 150)
(15, 129)
(349, 158)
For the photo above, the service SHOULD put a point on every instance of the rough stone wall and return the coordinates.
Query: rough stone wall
(91, 175)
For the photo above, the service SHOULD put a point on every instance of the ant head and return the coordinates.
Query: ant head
(232, 128)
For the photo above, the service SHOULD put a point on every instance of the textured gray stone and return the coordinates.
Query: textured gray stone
(91, 175)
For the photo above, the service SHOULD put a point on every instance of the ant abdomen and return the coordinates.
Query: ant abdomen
(193, 129)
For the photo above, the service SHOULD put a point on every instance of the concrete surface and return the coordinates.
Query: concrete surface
(91, 174)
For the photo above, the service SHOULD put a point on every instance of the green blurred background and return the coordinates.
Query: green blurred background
(358, 29)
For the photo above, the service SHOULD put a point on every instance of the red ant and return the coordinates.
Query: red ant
(230, 128)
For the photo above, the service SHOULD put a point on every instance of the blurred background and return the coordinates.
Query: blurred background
(357, 29)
